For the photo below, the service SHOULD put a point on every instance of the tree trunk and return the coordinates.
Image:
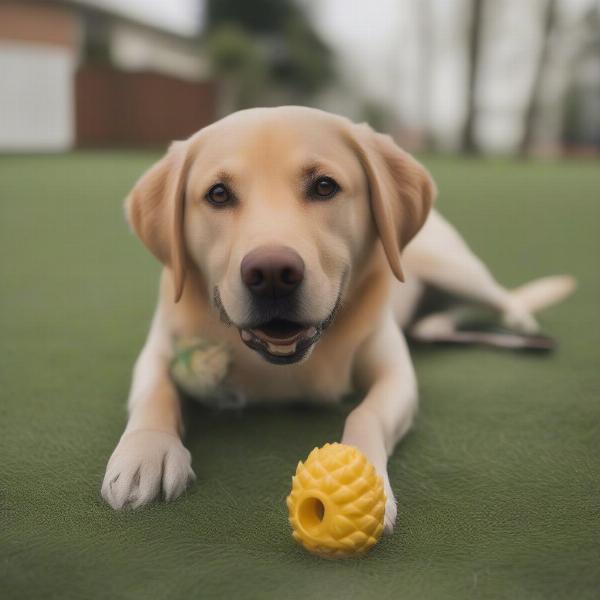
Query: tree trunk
(425, 41)
(530, 116)
(473, 52)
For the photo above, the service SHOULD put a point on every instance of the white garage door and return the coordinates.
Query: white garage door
(36, 97)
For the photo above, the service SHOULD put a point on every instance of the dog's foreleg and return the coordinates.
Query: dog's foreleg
(150, 458)
(384, 368)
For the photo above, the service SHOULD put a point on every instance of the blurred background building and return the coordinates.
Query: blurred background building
(490, 76)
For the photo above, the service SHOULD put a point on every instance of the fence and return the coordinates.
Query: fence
(116, 108)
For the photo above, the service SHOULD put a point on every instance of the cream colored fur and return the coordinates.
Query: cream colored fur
(352, 248)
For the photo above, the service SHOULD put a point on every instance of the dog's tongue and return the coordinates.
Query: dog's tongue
(279, 332)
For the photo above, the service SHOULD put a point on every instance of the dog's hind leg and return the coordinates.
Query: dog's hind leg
(440, 257)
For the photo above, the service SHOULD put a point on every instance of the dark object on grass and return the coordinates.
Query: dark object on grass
(468, 325)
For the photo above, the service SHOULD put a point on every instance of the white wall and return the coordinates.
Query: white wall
(136, 49)
(36, 97)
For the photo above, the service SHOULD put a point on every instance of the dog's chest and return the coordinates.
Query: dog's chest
(224, 375)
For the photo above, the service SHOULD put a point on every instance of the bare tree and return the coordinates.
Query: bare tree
(473, 51)
(425, 37)
(530, 116)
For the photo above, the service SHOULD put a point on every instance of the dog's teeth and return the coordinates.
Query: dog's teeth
(281, 350)
(246, 335)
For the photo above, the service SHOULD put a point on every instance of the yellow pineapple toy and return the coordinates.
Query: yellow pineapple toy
(337, 503)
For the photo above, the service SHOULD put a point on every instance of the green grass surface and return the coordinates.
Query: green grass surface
(498, 484)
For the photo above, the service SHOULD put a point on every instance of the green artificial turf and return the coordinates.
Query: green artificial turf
(498, 483)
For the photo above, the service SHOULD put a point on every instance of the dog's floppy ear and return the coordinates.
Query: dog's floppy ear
(400, 188)
(155, 210)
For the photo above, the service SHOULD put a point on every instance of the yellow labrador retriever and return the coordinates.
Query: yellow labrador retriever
(280, 230)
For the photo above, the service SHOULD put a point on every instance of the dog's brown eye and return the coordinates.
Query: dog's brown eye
(218, 195)
(325, 187)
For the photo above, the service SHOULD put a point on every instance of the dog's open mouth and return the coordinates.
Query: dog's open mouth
(281, 341)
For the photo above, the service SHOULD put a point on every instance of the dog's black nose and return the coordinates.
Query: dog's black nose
(272, 271)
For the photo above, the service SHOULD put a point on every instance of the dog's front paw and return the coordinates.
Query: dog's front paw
(144, 464)
(391, 510)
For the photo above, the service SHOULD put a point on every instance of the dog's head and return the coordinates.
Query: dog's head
(277, 209)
